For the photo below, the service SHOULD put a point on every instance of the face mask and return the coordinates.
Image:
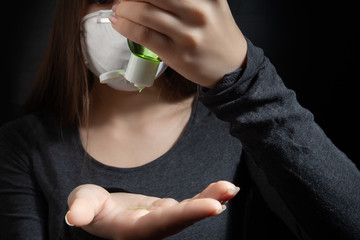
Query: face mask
(107, 54)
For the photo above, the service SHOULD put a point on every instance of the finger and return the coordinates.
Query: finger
(158, 29)
(188, 11)
(149, 16)
(175, 7)
(164, 203)
(153, 40)
(168, 221)
(85, 202)
(154, 21)
(222, 191)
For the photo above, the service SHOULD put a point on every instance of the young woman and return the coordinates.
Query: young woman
(166, 162)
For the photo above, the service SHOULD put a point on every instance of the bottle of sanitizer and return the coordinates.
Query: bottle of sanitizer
(143, 66)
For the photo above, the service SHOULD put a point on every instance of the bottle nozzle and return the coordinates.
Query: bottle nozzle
(143, 66)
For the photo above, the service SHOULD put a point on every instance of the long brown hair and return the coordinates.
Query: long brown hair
(63, 83)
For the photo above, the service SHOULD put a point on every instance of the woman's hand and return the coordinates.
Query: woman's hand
(132, 216)
(198, 39)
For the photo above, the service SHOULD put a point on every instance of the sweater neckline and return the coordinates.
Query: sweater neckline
(101, 166)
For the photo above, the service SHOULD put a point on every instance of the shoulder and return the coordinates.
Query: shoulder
(27, 132)
(208, 125)
(33, 139)
(25, 126)
(204, 115)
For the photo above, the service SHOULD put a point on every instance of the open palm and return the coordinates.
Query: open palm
(134, 216)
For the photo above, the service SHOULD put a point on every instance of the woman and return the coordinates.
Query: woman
(129, 165)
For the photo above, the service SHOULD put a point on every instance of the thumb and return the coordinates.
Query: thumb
(85, 202)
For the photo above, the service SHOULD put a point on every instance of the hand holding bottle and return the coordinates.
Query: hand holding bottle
(200, 40)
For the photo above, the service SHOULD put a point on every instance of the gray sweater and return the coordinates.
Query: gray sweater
(249, 130)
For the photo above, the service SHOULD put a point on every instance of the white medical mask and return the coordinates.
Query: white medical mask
(106, 52)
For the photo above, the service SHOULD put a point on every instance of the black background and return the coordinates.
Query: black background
(313, 44)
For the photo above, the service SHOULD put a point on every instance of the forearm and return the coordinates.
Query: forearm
(317, 182)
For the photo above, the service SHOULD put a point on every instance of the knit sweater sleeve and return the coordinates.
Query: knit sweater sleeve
(317, 184)
(23, 212)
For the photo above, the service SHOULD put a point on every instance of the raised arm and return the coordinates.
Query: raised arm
(288, 154)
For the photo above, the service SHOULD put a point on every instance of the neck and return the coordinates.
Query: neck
(121, 123)
(108, 105)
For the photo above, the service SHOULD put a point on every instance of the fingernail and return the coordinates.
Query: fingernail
(114, 7)
(113, 19)
(220, 210)
(233, 191)
(67, 221)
